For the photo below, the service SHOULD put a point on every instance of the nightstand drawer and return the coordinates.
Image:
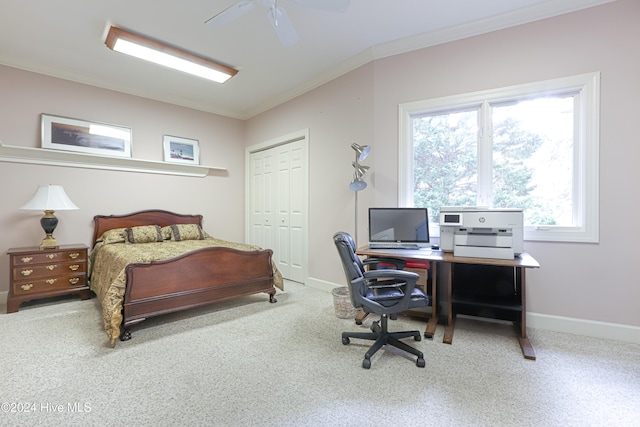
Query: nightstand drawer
(49, 284)
(42, 273)
(47, 257)
(48, 270)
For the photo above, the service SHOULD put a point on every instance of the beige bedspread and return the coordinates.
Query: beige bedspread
(107, 271)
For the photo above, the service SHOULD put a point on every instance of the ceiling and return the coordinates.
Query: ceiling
(65, 39)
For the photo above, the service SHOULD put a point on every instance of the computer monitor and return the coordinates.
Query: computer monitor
(401, 228)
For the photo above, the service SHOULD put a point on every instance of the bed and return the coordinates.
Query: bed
(154, 262)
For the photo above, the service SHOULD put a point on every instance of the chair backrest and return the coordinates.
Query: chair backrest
(353, 267)
(386, 299)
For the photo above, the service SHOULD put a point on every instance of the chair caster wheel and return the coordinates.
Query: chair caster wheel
(366, 363)
(345, 340)
(420, 363)
(418, 337)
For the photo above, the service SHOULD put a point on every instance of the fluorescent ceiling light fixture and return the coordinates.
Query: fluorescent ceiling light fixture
(157, 52)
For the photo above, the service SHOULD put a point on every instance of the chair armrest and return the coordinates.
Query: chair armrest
(406, 286)
(385, 284)
(375, 279)
(391, 274)
(374, 261)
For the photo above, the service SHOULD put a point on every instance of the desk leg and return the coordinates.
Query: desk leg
(360, 316)
(448, 331)
(525, 344)
(433, 320)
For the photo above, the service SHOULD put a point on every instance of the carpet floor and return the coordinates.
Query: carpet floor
(246, 362)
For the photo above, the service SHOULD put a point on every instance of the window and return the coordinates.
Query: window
(532, 146)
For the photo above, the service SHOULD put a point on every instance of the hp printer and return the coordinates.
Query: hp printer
(481, 232)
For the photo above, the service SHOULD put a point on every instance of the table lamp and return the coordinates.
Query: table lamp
(49, 198)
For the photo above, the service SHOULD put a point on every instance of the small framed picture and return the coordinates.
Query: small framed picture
(181, 150)
(63, 133)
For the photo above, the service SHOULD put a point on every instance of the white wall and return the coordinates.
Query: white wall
(583, 281)
(25, 95)
(594, 282)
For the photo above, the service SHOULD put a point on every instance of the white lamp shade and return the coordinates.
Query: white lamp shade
(50, 198)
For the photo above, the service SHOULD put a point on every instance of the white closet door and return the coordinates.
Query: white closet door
(278, 206)
(282, 251)
(262, 209)
(297, 211)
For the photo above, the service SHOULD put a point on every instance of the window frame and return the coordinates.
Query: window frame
(586, 147)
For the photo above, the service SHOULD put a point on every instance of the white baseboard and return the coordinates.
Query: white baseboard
(588, 328)
(321, 284)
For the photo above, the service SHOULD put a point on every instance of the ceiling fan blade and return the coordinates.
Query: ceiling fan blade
(230, 13)
(328, 5)
(282, 25)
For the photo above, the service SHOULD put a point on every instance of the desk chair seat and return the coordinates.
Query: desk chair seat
(386, 292)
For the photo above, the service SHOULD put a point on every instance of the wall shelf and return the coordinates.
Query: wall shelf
(41, 156)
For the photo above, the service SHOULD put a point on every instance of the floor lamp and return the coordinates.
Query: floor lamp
(358, 172)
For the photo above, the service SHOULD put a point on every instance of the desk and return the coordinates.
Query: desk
(446, 259)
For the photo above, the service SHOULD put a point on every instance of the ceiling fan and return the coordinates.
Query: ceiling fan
(277, 15)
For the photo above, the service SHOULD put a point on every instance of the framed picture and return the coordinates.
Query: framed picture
(63, 133)
(181, 150)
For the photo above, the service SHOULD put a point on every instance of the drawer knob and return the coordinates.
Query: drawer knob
(51, 281)
(74, 280)
(51, 256)
(51, 267)
(27, 259)
(74, 267)
(74, 255)
(26, 272)
(27, 287)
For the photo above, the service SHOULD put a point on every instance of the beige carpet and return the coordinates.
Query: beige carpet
(248, 362)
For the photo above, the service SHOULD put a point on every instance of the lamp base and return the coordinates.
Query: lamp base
(49, 222)
(49, 242)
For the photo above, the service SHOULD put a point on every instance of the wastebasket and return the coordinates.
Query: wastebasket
(342, 303)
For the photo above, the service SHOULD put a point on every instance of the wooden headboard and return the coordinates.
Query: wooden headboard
(102, 223)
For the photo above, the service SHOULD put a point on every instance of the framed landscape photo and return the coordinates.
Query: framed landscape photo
(63, 133)
(181, 150)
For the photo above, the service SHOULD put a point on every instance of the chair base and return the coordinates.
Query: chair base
(381, 335)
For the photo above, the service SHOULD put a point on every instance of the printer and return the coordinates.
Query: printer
(480, 232)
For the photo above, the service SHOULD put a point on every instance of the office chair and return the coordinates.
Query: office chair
(386, 292)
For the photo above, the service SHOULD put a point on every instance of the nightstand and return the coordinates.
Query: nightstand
(42, 273)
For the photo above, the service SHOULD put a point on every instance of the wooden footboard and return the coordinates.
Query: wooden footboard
(200, 277)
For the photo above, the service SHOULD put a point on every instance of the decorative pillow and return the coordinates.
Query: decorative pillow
(143, 234)
(115, 235)
(186, 232)
(166, 232)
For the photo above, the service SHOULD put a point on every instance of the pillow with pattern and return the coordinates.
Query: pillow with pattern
(112, 236)
(166, 232)
(186, 232)
(143, 234)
